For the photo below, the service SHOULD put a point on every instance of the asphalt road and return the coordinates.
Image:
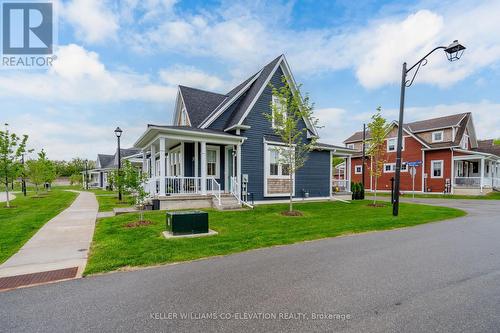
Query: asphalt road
(439, 277)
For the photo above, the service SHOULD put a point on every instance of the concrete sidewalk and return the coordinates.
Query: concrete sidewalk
(3, 196)
(63, 242)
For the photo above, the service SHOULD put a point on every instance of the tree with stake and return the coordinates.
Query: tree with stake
(378, 130)
(12, 148)
(40, 170)
(289, 110)
(132, 180)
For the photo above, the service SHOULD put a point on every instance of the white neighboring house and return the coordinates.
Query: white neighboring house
(105, 164)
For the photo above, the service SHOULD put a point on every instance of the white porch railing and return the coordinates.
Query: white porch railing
(474, 182)
(183, 186)
(341, 185)
(235, 188)
(213, 187)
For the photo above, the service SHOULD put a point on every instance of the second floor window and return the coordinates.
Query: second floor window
(277, 105)
(437, 136)
(391, 144)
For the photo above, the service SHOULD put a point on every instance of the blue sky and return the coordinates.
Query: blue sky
(119, 64)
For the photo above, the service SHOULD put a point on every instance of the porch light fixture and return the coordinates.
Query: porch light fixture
(454, 52)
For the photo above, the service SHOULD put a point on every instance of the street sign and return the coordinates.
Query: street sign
(414, 164)
(413, 171)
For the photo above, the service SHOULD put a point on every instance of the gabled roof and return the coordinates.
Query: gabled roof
(460, 121)
(254, 90)
(204, 107)
(105, 161)
(436, 123)
(199, 103)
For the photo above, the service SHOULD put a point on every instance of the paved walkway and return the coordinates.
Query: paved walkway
(63, 242)
(3, 196)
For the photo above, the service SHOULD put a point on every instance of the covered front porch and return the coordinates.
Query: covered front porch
(478, 172)
(185, 162)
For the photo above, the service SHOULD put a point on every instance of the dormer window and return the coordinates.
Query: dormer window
(350, 145)
(277, 106)
(438, 136)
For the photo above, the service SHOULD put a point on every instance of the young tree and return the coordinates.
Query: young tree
(76, 179)
(12, 148)
(40, 170)
(376, 150)
(288, 113)
(131, 179)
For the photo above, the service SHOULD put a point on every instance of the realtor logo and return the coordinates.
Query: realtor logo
(27, 27)
(28, 33)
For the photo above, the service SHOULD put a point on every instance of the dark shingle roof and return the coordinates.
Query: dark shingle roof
(252, 92)
(199, 103)
(488, 146)
(441, 122)
(105, 161)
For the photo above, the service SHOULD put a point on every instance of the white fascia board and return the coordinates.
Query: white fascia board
(395, 123)
(216, 115)
(234, 127)
(247, 111)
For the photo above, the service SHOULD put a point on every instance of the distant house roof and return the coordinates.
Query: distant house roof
(460, 121)
(105, 161)
(488, 146)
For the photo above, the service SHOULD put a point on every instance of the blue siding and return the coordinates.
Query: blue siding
(221, 122)
(188, 159)
(314, 177)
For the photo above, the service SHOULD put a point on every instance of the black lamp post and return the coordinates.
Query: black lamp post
(86, 174)
(118, 133)
(23, 176)
(453, 52)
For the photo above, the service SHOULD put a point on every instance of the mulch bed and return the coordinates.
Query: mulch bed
(137, 224)
(292, 213)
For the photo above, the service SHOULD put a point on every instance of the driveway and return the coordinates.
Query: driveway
(439, 277)
(61, 243)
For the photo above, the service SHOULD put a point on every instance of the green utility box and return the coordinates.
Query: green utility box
(187, 222)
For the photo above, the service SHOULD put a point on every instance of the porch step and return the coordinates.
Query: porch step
(227, 202)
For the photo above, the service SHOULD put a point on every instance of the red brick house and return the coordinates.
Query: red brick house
(451, 157)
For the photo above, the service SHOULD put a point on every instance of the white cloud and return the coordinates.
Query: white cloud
(376, 51)
(78, 76)
(93, 20)
(191, 77)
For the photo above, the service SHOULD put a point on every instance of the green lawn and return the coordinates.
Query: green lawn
(115, 246)
(489, 196)
(29, 214)
(108, 201)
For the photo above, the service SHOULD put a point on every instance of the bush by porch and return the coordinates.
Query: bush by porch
(115, 246)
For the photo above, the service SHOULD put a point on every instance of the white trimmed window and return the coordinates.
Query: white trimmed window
(389, 167)
(175, 162)
(437, 168)
(358, 169)
(275, 169)
(438, 136)
(276, 105)
(213, 161)
(392, 144)
(350, 145)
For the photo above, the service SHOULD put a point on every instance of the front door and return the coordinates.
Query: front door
(229, 168)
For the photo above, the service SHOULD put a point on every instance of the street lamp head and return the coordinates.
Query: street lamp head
(118, 132)
(454, 51)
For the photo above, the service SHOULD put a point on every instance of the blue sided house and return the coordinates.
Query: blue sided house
(218, 150)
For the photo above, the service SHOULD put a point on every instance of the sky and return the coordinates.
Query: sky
(119, 63)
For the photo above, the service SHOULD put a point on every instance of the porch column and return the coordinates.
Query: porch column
(196, 158)
(144, 161)
(162, 166)
(349, 174)
(482, 174)
(167, 167)
(238, 169)
(152, 164)
(203, 167)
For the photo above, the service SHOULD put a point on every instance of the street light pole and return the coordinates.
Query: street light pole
(86, 174)
(118, 133)
(453, 52)
(23, 178)
(364, 157)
